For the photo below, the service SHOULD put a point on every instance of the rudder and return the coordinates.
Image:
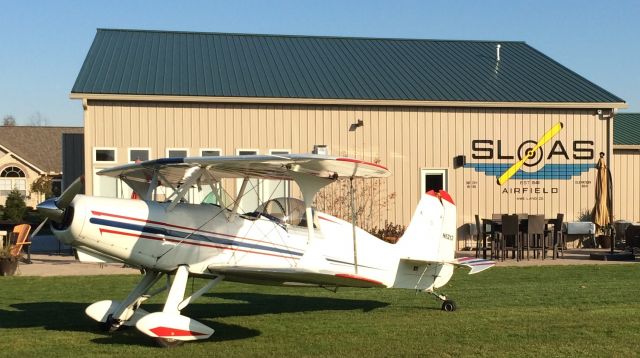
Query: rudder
(431, 234)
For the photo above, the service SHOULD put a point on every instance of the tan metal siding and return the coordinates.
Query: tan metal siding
(405, 139)
(626, 184)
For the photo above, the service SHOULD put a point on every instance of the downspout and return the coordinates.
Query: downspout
(610, 120)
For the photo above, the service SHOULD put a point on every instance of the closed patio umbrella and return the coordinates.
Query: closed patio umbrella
(603, 210)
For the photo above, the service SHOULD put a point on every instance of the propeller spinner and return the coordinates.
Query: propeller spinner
(56, 208)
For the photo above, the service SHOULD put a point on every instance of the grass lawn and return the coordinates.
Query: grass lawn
(506, 311)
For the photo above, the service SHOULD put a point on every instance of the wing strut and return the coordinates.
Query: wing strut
(184, 188)
(309, 185)
(236, 204)
(353, 224)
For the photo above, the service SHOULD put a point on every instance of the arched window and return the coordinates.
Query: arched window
(12, 172)
(12, 178)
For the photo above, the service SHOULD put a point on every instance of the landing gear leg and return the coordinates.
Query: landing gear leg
(112, 315)
(447, 305)
(169, 328)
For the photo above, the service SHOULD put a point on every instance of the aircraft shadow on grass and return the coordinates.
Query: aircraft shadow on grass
(70, 316)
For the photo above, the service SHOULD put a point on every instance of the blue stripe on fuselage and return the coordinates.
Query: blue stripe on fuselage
(191, 236)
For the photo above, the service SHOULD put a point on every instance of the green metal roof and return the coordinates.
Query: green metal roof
(626, 129)
(243, 65)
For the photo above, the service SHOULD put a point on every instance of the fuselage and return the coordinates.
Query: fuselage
(211, 239)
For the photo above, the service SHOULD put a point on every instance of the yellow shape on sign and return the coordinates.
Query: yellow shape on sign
(530, 153)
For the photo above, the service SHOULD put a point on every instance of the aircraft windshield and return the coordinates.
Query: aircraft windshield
(289, 210)
(211, 198)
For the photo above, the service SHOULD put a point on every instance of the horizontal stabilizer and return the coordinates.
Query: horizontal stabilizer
(476, 265)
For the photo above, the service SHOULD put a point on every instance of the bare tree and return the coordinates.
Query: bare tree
(9, 120)
(38, 120)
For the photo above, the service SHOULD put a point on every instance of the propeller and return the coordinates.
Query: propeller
(56, 208)
(530, 153)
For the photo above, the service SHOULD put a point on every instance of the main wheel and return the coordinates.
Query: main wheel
(448, 306)
(168, 342)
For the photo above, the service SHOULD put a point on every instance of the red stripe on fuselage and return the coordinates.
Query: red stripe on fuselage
(141, 236)
(359, 278)
(327, 219)
(101, 213)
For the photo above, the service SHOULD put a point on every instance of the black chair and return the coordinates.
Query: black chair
(510, 236)
(536, 238)
(558, 239)
(483, 239)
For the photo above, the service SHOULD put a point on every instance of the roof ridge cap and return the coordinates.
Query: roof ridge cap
(335, 37)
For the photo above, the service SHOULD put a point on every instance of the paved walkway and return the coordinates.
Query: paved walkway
(61, 265)
(571, 257)
(64, 265)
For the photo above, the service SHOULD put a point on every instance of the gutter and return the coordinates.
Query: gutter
(85, 97)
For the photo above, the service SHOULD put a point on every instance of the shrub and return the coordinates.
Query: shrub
(585, 215)
(43, 187)
(389, 232)
(370, 196)
(15, 208)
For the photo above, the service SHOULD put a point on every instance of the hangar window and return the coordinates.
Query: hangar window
(138, 155)
(104, 155)
(177, 153)
(276, 188)
(13, 178)
(210, 152)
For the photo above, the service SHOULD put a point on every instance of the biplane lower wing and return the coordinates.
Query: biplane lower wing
(292, 277)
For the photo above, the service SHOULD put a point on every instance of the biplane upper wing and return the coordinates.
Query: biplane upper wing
(174, 171)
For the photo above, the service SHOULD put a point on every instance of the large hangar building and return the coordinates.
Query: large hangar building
(450, 114)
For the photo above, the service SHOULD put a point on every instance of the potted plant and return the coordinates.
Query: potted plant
(8, 262)
(604, 240)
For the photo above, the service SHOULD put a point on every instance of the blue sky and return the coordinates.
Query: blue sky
(43, 43)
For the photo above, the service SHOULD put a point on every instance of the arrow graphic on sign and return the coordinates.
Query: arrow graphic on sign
(530, 153)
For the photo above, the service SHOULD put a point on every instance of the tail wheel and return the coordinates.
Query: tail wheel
(168, 342)
(448, 306)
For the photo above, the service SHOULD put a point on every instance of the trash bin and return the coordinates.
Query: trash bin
(632, 235)
(621, 226)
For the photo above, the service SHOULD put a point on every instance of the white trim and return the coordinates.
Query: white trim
(137, 148)
(257, 151)
(442, 171)
(346, 102)
(210, 149)
(169, 149)
(115, 155)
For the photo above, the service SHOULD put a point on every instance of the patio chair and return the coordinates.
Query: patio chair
(535, 236)
(558, 238)
(482, 237)
(510, 236)
(21, 233)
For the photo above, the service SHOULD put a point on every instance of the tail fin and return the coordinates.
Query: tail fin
(431, 234)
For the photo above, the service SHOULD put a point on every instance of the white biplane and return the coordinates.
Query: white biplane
(284, 241)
